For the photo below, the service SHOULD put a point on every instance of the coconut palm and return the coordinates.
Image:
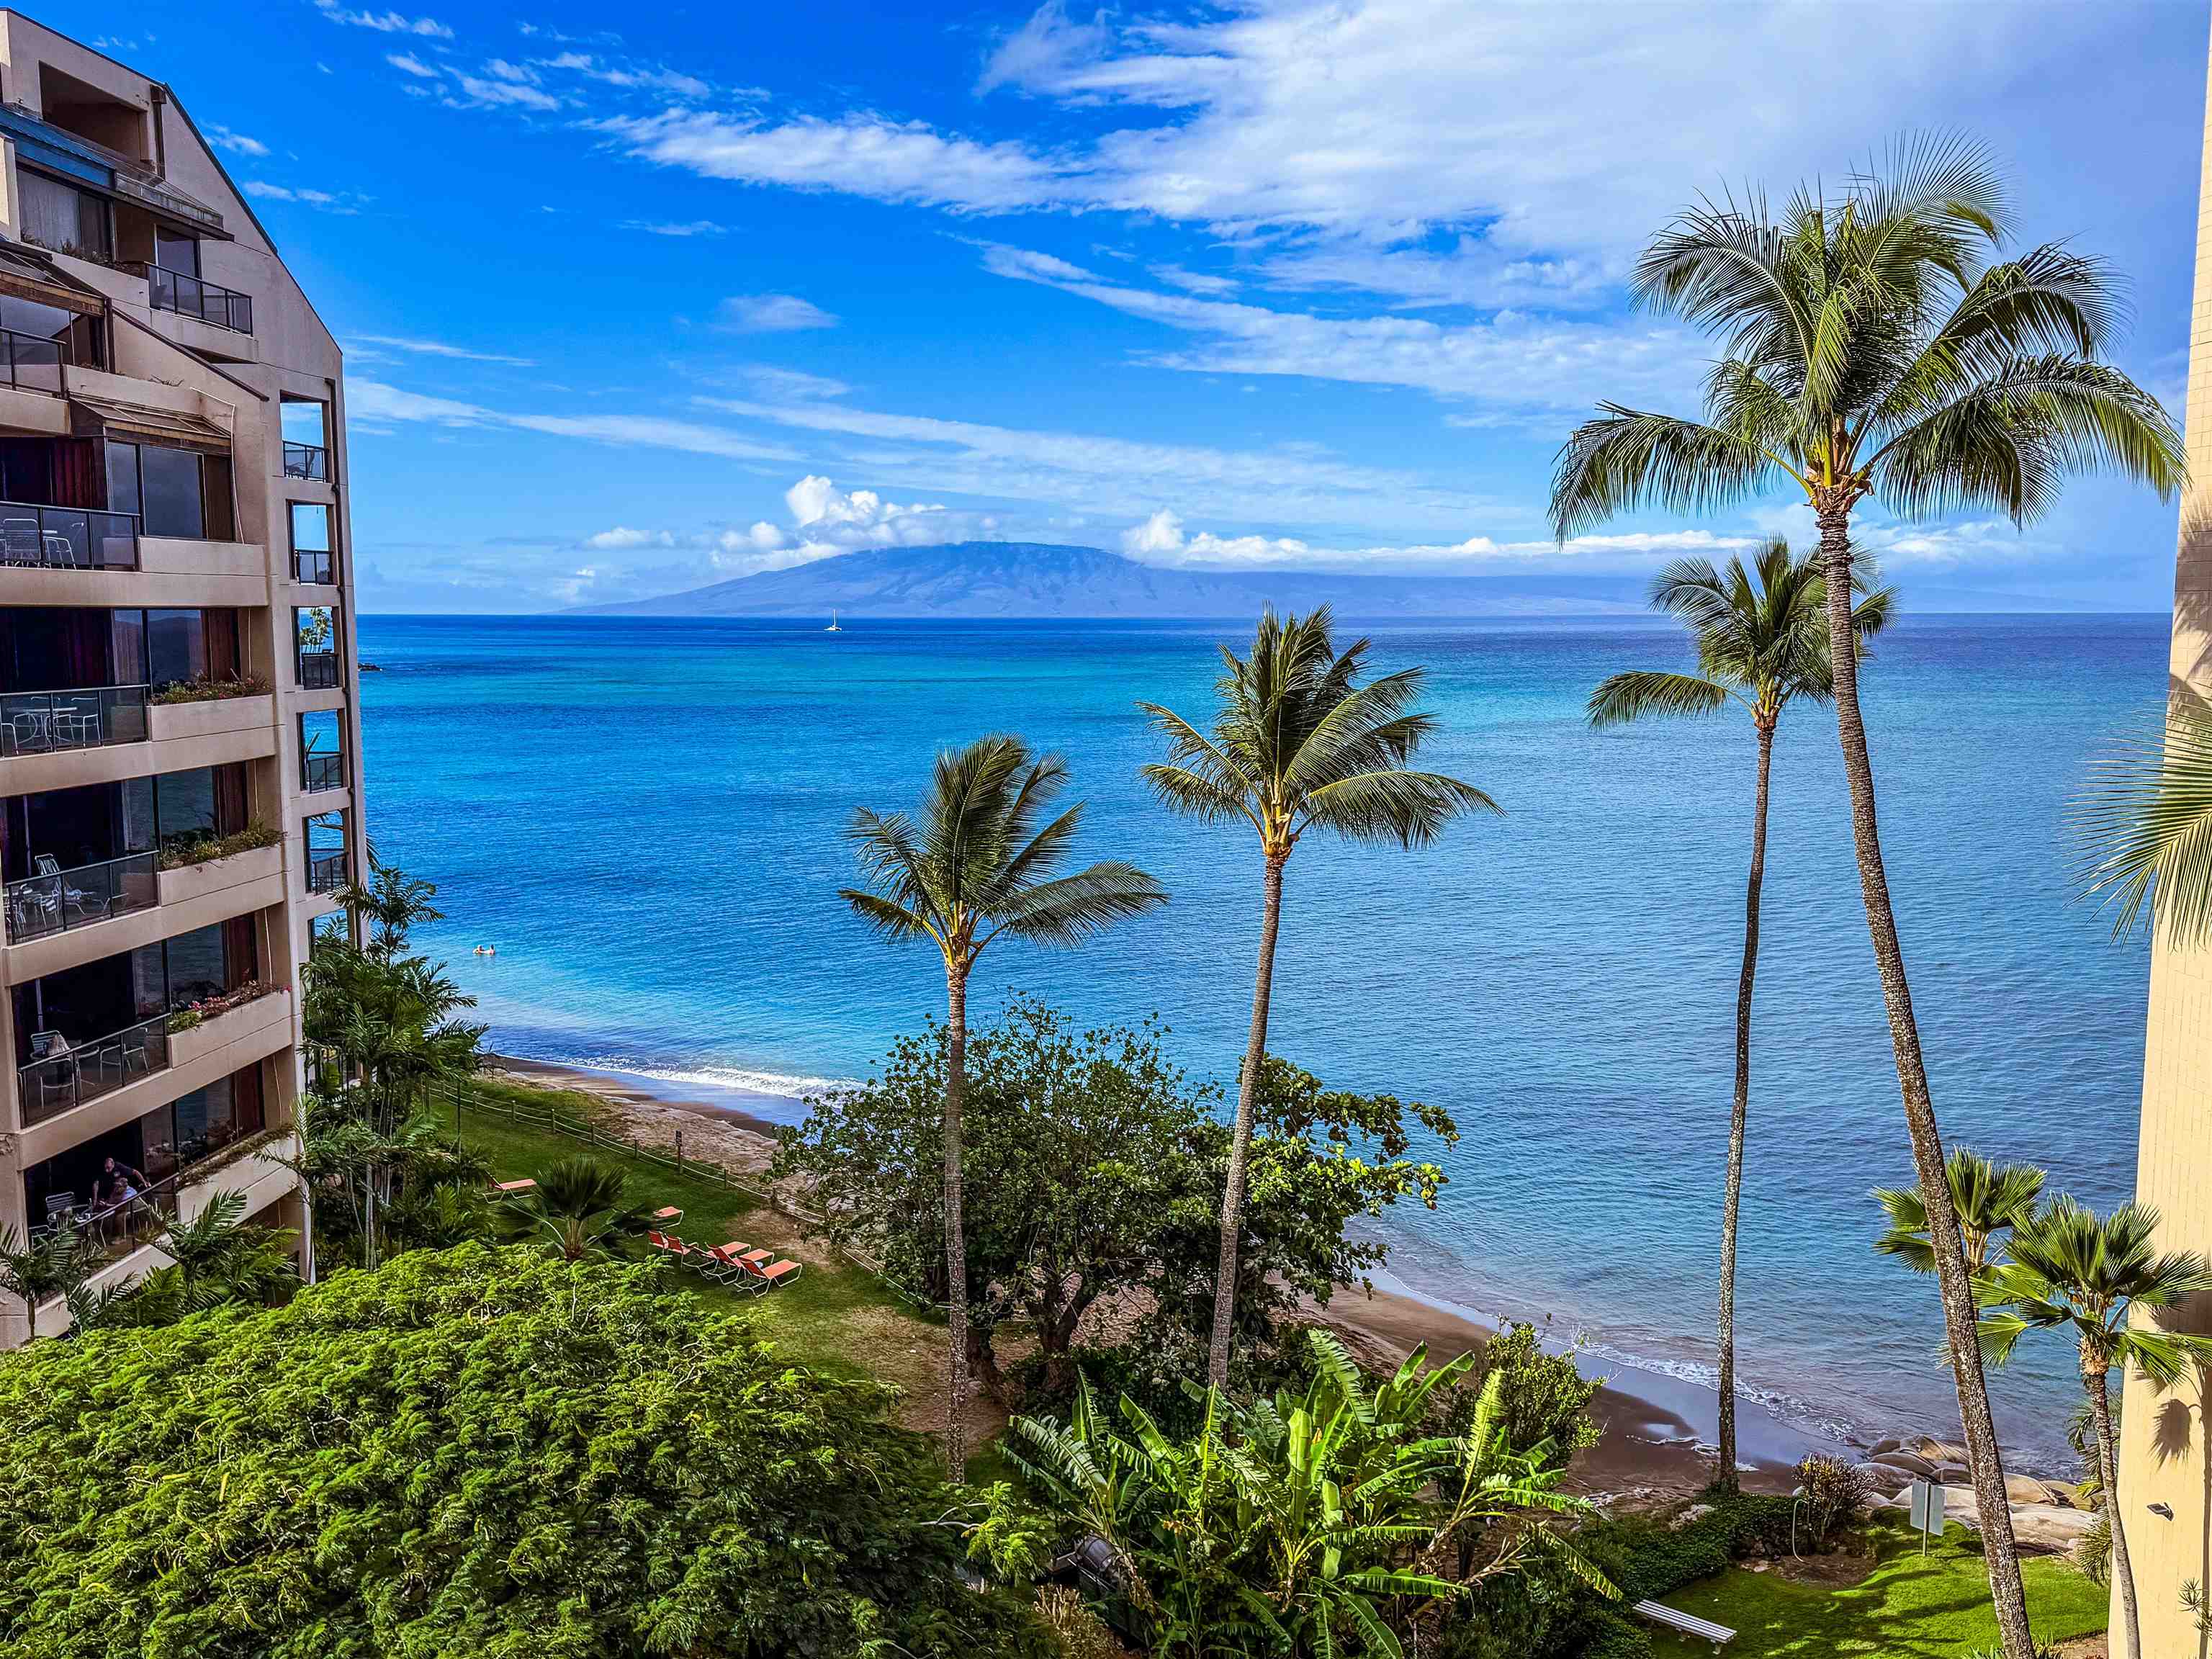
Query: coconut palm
(1297, 745)
(2147, 822)
(974, 861)
(1762, 640)
(2073, 1271)
(577, 1212)
(1880, 344)
(1987, 1198)
(39, 1269)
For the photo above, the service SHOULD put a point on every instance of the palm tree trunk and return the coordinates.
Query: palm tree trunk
(2100, 1412)
(1961, 1318)
(956, 1237)
(1248, 1088)
(1731, 1200)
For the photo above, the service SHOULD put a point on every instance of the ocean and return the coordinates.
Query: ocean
(644, 816)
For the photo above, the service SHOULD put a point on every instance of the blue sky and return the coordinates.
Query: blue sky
(735, 287)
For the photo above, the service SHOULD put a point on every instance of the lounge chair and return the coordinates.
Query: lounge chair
(668, 1215)
(769, 1274)
(515, 1189)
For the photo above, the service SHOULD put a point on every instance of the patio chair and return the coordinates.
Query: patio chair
(60, 548)
(771, 1273)
(134, 1055)
(19, 541)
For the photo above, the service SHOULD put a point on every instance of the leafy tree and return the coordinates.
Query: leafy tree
(1098, 1164)
(1303, 1522)
(1987, 1198)
(39, 1269)
(977, 862)
(578, 1211)
(1543, 1399)
(1761, 636)
(1880, 344)
(449, 1456)
(213, 1262)
(2074, 1270)
(1297, 745)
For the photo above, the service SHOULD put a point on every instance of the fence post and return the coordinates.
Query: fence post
(679, 1152)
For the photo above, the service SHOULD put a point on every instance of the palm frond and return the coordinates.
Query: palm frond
(2146, 824)
(1627, 458)
(1408, 807)
(1639, 693)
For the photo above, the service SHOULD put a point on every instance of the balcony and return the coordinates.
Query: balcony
(318, 671)
(56, 900)
(196, 297)
(326, 872)
(30, 362)
(49, 722)
(321, 772)
(307, 461)
(67, 537)
(62, 1080)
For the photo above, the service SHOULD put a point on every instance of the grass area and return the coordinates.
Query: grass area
(833, 1317)
(1907, 1608)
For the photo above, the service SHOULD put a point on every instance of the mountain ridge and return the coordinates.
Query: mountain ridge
(1046, 580)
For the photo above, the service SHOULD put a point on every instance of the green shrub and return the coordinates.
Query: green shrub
(205, 690)
(179, 851)
(1835, 1496)
(1546, 1397)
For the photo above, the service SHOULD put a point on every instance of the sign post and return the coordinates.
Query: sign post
(1927, 1503)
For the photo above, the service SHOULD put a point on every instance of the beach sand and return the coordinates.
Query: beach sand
(1656, 1429)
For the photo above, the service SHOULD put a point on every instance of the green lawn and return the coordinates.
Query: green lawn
(836, 1318)
(1907, 1609)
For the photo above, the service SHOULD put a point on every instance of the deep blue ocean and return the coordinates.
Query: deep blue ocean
(645, 816)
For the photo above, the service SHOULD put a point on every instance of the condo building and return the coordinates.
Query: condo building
(180, 744)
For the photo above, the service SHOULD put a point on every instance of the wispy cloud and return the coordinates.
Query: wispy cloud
(419, 347)
(384, 22)
(770, 313)
(323, 199)
(375, 403)
(237, 143)
(679, 228)
(408, 62)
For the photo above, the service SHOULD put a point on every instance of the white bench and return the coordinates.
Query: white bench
(1687, 1623)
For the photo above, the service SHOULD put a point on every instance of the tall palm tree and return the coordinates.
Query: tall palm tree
(1987, 1198)
(974, 861)
(1297, 745)
(2071, 1270)
(1880, 344)
(1762, 640)
(2147, 822)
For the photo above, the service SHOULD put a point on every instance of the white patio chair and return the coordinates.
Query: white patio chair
(19, 541)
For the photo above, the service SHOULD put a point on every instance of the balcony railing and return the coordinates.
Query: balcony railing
(31, 362)
(319, 569)
(59, 899)
(318, 671)
(107, 1229)
(43, 722)
(326, 872)
(323, 771)
(195, 296)
(68, 538)
(307, 461)
(62, 1078)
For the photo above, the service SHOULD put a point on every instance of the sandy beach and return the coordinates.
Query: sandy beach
(1656, 1429)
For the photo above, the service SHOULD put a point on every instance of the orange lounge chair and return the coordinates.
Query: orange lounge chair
(769, 1275)
(524, 1185)
(669, 1215)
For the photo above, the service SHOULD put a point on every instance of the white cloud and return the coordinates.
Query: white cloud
(411, 64)
(645, 77)
(857, 518)
(623, 537)
(376, 403)
(686, 228)
(421, 348)
(498, 91)
(1161, 540)
(794, 382)
(770, 313)
(384, 22)
(313, 199)
(237, 142)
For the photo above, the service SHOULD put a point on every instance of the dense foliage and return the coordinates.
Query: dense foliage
(477, 1452)
(1337, 1518)
(1103, 1164)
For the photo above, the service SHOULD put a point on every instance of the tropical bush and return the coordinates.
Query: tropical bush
(1298, 1524)
(1543, 1400)
(474, 1452)
(1835, 1495)
(1097, 1168)
(179, 851)
(207, 690)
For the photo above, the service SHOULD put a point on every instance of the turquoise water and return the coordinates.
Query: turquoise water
(644, 816)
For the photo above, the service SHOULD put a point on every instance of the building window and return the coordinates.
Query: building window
(327, 862)
(322, 751)
(176, 492)
(63, 218)
(313, 560)
(315, 635)
(305, 425)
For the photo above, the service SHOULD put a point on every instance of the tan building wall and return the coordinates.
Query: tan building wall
(62, 106)
(2164, 1497)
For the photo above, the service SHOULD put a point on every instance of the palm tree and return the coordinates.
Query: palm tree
(39, 1269)
(2147, 821)
(1878, 344)
(1762, 642)
(973, 862)
(2070, 1269)
(1297, 744)
(578, 1210)
(1987, 1198)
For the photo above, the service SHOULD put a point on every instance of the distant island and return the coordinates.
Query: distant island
(1037, 579)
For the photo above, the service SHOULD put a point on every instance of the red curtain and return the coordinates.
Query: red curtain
(219, 627)
(80, 476)
(240, 960)
(229, 798)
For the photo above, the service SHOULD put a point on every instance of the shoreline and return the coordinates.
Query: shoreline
(1655, 1431)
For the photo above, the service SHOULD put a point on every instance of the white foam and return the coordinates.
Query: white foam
(780, 1085)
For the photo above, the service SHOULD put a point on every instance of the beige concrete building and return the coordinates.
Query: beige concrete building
(2166, 1477)
(179, 775)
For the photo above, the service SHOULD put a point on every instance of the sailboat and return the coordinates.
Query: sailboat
(833, 628)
